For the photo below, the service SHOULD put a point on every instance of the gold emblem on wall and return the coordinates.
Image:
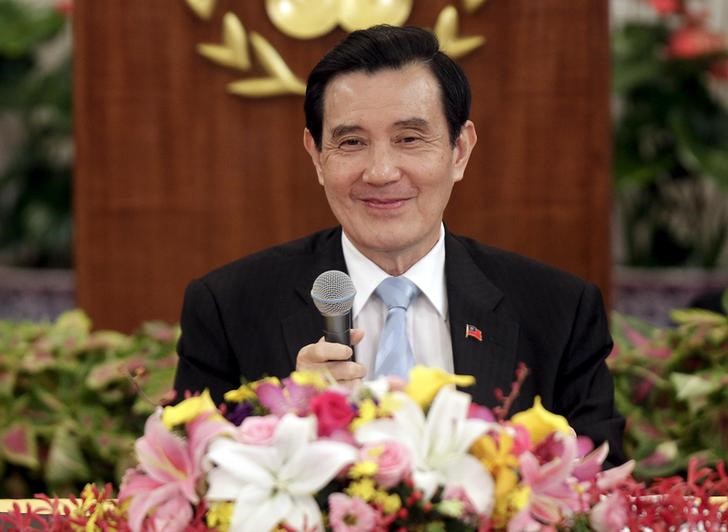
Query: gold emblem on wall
(309, 19)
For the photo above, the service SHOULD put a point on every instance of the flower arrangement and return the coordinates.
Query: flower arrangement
(670, 133)
(672, 386)
(306, 454)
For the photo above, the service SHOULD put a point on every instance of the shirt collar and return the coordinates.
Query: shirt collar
(428, 274)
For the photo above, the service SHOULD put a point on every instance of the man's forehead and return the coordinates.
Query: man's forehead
(391, 98)
(339, 130)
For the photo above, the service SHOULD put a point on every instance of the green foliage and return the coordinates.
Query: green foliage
(670, 143)
(35, 187)
(73, 401)
(672, 384)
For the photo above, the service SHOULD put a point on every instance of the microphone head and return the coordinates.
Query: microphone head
(333, 293)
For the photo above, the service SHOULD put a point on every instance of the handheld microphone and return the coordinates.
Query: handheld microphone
(333, 294)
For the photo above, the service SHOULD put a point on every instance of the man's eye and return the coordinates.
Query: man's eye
(350, 143)
(409, 140)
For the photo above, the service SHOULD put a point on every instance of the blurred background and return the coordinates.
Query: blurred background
(669, 151)
(128, 167)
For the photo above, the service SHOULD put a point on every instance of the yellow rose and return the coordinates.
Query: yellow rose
(424, 383)
(540, 423)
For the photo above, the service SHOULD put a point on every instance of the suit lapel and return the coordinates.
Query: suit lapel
(472, 300)
(303, 324)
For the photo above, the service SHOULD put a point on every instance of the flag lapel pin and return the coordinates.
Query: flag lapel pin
(471, 331)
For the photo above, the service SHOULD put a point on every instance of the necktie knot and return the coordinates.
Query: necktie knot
(397, 292)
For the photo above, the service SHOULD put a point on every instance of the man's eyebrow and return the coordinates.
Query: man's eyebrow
(344, 129)
(416, 123)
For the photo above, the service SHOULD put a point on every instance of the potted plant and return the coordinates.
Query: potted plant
(73, 400)
(671, 137)
(672, 386)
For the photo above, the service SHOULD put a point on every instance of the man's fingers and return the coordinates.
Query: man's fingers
(356, 335)
(346, 371)
(321, 352)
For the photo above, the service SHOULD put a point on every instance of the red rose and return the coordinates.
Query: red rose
(333, 412)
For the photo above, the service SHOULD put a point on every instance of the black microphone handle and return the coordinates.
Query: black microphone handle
(336, 328)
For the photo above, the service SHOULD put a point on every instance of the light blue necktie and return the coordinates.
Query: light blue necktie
(394, 354)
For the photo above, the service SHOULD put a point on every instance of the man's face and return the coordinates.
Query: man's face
(386, 162)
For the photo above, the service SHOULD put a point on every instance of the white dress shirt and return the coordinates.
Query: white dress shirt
(428, 326)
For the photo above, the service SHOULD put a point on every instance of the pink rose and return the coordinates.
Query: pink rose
(333, 411)
(393, 461)
(257, 430)
(351, 514)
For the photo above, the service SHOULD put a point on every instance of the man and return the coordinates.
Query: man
(388, 132)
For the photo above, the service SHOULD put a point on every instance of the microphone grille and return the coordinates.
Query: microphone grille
(333, 293)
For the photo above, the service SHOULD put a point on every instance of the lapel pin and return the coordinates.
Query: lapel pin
(471, 331)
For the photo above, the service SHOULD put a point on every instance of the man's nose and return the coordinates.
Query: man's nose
(382, 166)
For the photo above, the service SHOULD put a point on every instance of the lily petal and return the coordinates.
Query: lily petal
(314, 465)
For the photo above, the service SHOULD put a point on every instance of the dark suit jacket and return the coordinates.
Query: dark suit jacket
(250, 318)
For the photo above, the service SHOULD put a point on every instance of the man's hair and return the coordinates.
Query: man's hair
(389, 47)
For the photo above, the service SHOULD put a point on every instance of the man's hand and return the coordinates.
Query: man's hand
(333, 358)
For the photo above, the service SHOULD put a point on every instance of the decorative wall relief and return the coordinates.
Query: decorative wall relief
(309, 19)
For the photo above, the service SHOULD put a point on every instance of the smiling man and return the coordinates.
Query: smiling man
(388, 133)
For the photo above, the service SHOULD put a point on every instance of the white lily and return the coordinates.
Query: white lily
(275, 484)
(438, 444)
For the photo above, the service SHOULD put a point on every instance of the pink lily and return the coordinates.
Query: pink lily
(163, 486)
(552, 493)
(291, 398)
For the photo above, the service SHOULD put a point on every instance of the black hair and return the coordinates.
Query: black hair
(382, 47)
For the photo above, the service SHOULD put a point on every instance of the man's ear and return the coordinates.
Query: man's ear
(464, 145)
(314, 153)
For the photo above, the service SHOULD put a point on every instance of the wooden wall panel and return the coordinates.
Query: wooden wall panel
(174, 176)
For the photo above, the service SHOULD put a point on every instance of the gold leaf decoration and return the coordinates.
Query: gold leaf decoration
(233, 52)
(282, 80)
(258, 87)
(303, 19)
(202, 8)
(306, 19)
(361, 14)
(471, 6)
(446, 29)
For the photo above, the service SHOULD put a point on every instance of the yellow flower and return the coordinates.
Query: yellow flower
(520, 498)
(188, 410)
(388, 405)
(220, 515)
(389, 502)
(364, 489)
(424, 383)
(367, 412)
(309, 378)
(496, 454)
(243, 393)
(540, 423)
(366, 468)
(246, 392)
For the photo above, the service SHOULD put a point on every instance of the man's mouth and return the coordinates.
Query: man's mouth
(384, 203)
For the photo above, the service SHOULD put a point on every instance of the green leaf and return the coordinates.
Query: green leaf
(73, 323)
(693, 389)
(697, 316)
(102, 375)
(65, 460)
(18, 445)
